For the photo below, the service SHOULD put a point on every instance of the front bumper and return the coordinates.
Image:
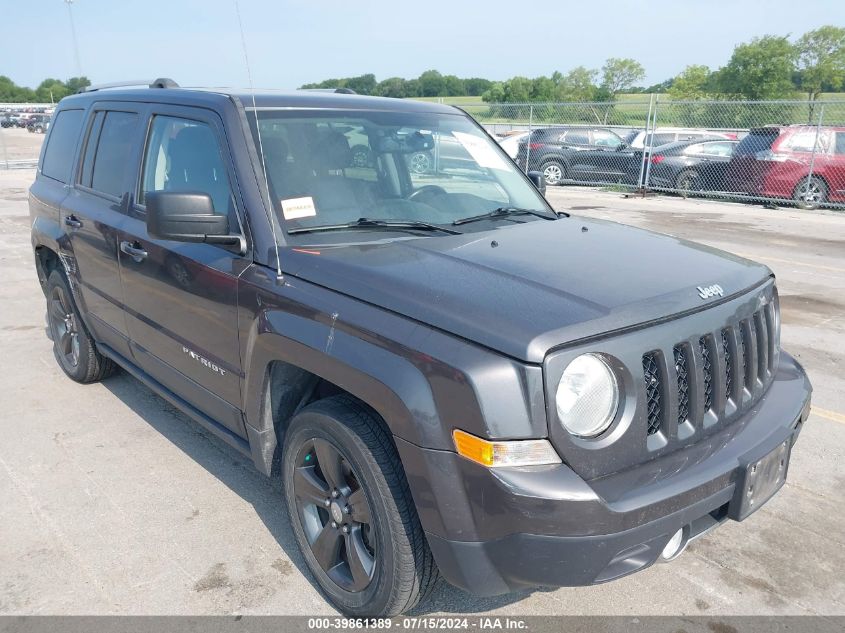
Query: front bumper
(493, 531)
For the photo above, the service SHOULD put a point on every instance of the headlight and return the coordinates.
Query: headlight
(587, 396)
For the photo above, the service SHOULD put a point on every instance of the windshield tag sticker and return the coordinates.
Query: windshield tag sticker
(480, 151)
(297, 208)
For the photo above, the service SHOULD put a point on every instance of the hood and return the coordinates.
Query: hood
(528, 288)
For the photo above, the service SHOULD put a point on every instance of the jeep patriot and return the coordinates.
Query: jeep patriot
(447, 377)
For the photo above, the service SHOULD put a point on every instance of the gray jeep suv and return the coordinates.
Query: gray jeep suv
(448, 377)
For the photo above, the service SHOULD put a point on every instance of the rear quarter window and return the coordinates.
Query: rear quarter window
(61, 145)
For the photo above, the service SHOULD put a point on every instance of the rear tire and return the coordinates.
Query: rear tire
(553, 172)
(73, 347)
(688, 180)
(351, 510)
(811, 191)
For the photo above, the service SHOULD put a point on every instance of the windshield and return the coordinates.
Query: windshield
(327, 168)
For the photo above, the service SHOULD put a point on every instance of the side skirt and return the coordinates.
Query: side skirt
(209, 424)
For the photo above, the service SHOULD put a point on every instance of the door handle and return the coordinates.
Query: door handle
(134, 250)
(73, 222)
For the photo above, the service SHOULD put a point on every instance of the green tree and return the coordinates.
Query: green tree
(363, 84)
(693, 82)
(431, 84)
(619, 74)
(821, 60)
(579, 84)
(476, 86)
(453, 87)
(12, 93)
(393, 87)
(760, 69)
(51, 90)
(75, 84)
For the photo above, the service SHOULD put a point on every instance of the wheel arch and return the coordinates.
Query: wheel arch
(286, 372)
(821, 176)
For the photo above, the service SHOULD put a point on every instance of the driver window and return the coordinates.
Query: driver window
(183, 155)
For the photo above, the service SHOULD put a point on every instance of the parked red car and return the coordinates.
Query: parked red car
(775, 162)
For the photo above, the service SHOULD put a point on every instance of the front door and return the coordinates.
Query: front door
(181, 298)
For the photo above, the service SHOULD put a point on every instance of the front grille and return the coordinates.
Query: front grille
(702, 380)
(707, 367)
(682, 369)
(651, 375)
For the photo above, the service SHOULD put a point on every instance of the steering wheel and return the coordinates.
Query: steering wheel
(425, 192)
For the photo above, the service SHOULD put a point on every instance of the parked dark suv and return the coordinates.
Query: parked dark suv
(555, 152)
(450, 378)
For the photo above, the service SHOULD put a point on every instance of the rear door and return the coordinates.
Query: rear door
(181, 298)
(93, 211)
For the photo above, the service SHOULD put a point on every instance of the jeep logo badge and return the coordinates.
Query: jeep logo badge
(705, 292)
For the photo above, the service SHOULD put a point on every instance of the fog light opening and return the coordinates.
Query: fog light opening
(676, 545)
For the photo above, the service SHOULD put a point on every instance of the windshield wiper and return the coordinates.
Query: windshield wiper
(502, 212)
(379, 225)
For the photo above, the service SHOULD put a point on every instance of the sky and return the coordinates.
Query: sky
(291, 42)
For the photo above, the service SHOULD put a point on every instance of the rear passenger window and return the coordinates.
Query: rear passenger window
(59, 154)
(577, 137)
(183, 155)
(113, 149)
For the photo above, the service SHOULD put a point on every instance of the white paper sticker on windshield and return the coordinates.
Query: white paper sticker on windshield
(298, 208)
(480, 150)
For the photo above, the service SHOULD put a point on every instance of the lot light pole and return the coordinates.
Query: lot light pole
(69, 4)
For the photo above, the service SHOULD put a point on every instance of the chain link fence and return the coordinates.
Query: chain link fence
(780, 152)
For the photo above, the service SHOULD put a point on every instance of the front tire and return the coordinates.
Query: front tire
(351, 510)
(73, 347)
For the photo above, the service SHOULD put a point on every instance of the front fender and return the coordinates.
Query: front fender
(423, 382)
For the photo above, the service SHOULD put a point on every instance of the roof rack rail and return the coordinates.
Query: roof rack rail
(340, 91)
(161, 82)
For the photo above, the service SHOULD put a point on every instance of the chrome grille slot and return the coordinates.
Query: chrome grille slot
(653, 389)
(726, 352)
(682, 371)
(707, 367)
(762, 328)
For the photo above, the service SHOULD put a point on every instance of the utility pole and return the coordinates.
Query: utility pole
(69, 4)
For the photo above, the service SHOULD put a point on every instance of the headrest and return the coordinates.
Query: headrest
(196, 144)
(333, 152)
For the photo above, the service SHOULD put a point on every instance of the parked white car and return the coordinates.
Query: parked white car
(510, 143)
(638, 139)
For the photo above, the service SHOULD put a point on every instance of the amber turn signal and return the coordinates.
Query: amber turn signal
(504, 453)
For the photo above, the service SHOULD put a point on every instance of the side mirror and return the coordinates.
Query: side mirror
(621, 146)
(186, 217)
(537, 178)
